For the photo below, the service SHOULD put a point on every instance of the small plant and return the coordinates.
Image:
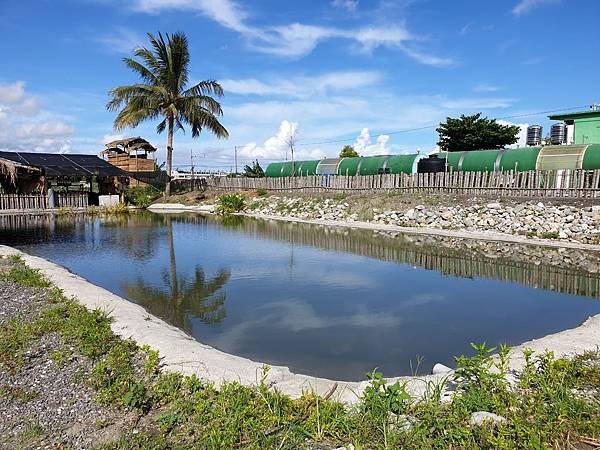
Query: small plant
(382, 398)
(261, 192)
(64, 212)
(141, 196)
(17, 393)
(550, 235)
(60, 357)
(230, 203)
(92, 210)
(135, 397)
(116, 209)
(23, 275)
(152, 360)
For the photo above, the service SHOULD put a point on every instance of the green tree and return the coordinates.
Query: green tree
(254, 171)
(163, 93)
(348, 152)
(475, 133)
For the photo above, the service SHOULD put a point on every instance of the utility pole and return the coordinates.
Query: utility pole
(192, 166)
(236, 168)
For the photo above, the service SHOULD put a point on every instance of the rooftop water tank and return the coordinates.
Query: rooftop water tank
(534, 135)
(558, 133)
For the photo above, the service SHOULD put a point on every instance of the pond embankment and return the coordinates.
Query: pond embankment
(528, 219)
(553, 222)
(50, 401)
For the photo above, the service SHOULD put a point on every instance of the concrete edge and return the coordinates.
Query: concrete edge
(181, 353)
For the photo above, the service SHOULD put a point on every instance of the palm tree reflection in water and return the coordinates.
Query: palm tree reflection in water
(180, 300)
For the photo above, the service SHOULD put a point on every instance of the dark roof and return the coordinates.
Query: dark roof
(129, 145)
(56, 165)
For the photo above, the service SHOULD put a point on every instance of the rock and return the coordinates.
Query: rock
(447, 215)
(562, 235)
(493, 206)
(480, 417)
(440, 368)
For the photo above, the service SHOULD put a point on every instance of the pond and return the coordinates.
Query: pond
(329, 302)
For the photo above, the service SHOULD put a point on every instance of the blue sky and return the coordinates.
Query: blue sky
(333, 70)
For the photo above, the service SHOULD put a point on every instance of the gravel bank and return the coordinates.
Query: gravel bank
(534, 219)
(46, 403)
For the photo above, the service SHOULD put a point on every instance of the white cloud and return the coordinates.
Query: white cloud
(524, 6)
(14, 99)
(485, 87)
(349, 6)
(29, 128)
(226, 12)
(522, 142)
(302, 86)
(364, 147)
(278, 146)
(477, 103)
(293, 40)
(122, 40)
(47, 129)
(111, 137)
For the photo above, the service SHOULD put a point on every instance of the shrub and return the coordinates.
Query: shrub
(119, 208)
(261, 192)
(141, 196)
(230, 203)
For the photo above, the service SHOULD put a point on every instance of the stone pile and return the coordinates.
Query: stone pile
(327, 209)
(530, 219)
(533, 219)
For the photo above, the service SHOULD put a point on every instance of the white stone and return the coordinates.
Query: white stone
(439, 368)
(493, 206)
(480, 417)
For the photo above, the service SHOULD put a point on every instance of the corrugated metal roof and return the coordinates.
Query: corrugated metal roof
(55, 165)
(575, 115)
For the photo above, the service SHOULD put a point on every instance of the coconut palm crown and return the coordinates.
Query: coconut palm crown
(163, 93)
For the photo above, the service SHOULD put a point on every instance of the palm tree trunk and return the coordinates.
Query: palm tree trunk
(172, 260)
(169, 155)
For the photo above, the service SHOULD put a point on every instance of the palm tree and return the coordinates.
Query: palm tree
(178, 300)
(164, 93)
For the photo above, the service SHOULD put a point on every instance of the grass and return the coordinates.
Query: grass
(550, 235)
(17, 393)
(555, 403)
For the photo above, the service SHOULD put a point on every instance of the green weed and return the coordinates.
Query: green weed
(17, 393)
(24, 276)
(230, 203)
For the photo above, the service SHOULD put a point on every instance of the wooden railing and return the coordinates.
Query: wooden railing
(40, 201)
(23, 201)
(546, 183)
(71, 200)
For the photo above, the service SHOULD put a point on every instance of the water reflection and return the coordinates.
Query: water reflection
(177, 299)
(324, 301)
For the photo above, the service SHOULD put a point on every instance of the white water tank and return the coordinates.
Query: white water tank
(558, 133)
(534, 135)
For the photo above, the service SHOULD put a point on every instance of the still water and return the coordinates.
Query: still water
(327, 302)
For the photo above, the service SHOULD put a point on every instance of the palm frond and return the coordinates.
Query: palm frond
(206, 87)
(145, 73)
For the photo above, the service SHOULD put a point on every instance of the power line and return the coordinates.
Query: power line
(410, 130)
(426, 127)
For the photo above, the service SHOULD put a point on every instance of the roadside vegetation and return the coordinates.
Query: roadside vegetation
(555, 402)
(141, 196)
(230, 203)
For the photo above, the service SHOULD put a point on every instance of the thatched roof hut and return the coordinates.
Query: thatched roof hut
(132, 145)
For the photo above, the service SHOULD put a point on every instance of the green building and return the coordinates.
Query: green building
(586, 126)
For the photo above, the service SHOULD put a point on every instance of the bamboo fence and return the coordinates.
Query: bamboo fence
(540, 183)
